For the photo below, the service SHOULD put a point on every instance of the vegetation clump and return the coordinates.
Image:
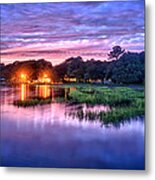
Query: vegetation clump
(32, 102)
(125, 103)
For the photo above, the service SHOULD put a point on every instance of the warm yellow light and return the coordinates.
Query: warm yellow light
(44, 91)
(44, 79)
(45, 75)
(23, 76)
(23, 92)
(48, 80)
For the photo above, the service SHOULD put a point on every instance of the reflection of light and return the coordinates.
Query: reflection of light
(44, 91)
(23, 92)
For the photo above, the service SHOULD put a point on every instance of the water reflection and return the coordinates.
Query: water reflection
(24, 92)
(85, 112)
(43, 91)
(57, 139)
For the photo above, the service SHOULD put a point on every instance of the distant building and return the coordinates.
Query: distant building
(98, 81)
(70, 79)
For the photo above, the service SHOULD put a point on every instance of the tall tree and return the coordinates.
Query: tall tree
(129, 69)
(116, 52)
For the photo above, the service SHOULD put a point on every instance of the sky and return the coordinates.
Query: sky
(57, 31)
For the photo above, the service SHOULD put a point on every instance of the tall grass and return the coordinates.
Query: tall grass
(124, 102)
(32, 102)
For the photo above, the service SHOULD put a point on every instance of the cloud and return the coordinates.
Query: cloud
(80, 26)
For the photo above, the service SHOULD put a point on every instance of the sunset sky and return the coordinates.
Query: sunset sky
(56, 31)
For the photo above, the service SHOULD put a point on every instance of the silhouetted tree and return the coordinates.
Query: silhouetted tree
(129, 69)
(116, 52)
(32, 68)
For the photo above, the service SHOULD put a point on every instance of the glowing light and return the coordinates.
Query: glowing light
(45, 79)
(23, 92)
(68, 79)
(23, 76)
(45, 76)
(44, 91)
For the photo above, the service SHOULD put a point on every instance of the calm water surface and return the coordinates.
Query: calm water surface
(50, 136)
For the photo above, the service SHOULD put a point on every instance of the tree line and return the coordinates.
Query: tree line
(122, 68)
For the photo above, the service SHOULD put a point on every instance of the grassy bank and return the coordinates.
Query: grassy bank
(32, 102)
(124, 102)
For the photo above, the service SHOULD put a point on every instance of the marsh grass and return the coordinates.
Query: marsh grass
(125, 102)
(32, 102)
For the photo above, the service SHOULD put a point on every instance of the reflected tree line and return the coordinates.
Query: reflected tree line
(42, 92)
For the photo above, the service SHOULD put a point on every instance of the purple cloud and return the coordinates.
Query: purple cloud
(60, 30)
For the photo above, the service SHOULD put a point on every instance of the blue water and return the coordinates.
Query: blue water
(47, 136)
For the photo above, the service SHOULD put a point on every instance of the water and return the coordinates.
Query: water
(50, 136)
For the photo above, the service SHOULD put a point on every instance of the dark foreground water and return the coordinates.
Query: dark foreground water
(50, 136)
